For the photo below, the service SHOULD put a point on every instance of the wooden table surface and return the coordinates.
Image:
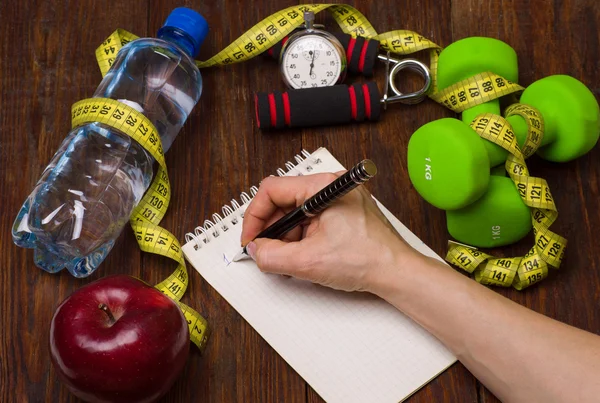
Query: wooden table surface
(47, 63)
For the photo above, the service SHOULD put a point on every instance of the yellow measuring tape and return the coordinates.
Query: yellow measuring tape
(151, 209)
(476, 90)
(277, 26)
(465, 94)
(271, 30)
(548, 248)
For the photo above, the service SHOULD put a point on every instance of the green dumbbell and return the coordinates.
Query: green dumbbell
(468, 57)
(450, 168)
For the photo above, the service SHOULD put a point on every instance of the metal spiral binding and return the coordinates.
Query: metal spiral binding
(233, 213)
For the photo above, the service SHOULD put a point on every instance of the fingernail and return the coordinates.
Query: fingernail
(251, 249)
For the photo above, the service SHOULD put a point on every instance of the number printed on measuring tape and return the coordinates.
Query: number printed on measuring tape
(466, 257)
(548, 248)
(153, 206)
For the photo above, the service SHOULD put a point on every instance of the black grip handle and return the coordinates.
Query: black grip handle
(318, 106)
(361, 53)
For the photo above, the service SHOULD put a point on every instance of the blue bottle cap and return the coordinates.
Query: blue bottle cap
(190, 22)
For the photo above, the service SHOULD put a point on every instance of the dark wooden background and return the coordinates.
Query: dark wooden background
(47, 63)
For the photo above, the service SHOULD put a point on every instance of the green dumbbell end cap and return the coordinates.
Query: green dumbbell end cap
(448, 164)
(474, 55)
(498, 218)
(571, 116)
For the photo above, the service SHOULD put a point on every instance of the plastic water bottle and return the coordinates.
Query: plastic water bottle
(87, 193)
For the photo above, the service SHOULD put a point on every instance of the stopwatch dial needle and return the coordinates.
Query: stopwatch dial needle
(312, 62)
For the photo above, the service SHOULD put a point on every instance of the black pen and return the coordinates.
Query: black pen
(359, 174)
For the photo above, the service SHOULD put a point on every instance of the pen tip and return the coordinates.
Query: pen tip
(239, 256)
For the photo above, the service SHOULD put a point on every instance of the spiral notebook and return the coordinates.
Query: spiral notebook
(350, 347)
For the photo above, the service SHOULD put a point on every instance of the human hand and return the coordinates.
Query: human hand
(350, 246)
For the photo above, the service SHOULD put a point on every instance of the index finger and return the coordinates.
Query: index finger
(279, 192)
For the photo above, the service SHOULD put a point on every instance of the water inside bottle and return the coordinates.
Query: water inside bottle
(87, 193)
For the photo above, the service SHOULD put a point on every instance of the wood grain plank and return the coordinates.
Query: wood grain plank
(552, 37)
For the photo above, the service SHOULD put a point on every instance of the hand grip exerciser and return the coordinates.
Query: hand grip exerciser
(361, 53)
(337, 104)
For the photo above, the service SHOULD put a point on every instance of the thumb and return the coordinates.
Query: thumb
(276, 256)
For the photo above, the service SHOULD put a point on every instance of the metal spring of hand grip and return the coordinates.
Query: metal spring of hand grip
(359, 174)
(410, 98)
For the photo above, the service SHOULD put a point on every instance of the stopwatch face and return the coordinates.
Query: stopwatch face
(311, 61)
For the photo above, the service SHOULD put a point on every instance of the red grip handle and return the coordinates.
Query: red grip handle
(318, 106)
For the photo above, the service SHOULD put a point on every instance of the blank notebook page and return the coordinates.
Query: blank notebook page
(350, 347)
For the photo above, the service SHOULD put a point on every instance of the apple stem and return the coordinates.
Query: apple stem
(108, 313)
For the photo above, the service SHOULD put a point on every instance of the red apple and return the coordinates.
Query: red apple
(119, 339)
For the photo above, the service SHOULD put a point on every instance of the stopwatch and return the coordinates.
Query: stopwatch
(312, 58)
